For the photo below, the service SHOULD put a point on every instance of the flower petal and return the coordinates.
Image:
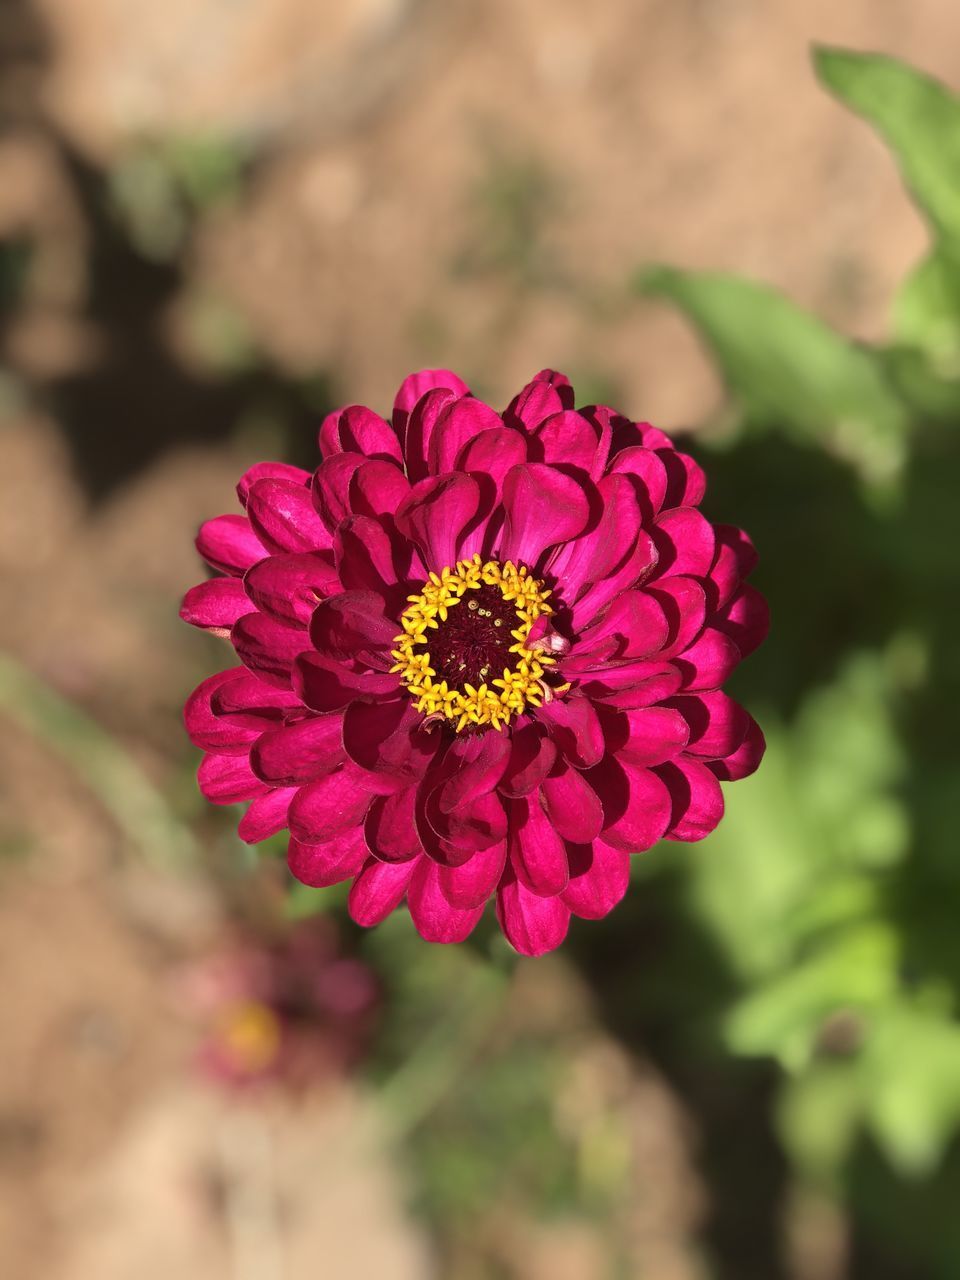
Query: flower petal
(635, 568)
(389, 741)
(531, 924)
(583, 561)
(266, 816)
(634, 625)
(229, 544)
(566, 439)
(320, 865)
(435, 918)
(532, 756)
(459, 422)
(696, 798)
(572, 805)
(378, 890)
(364, 556)
(357, 429)
(269, 471)
(330, 806)
(686, 483)
(746, 619)
(289, 587)
(390, 828)
(284, 518)
(268, 648)
(326, 684)
(543, 507)
(204, 727)
(215, 605)
(646, 472)
(573, 725)
(251, 703)
(736, 558)
(537, 853)
(416, 385)
(685, 541)
(636, 804)
(377, 488)
(352, 627)
(471, 883)
(299, 752)
(645, 735)
(599, 876)
(745, 760)
(685, 606)
(437, 514)
(718, 725)
(539, 399)
(709, 662)
(227, 779)
(331, 487)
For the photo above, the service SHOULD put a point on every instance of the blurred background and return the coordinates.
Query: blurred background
(219, 219)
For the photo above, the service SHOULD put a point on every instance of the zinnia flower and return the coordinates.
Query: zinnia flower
(481, 654)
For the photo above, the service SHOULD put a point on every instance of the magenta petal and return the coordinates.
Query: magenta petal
(215, 605)
(437, 514)
(391, 829)
(635, 568)
(251, 703)
(745, 760)
(634, 625)
(574, 727)
(435, 918)
(378, 890)
(459, 422)
(537, 401)
(266, 816)
(572, 805)
(299, 752)
(636, 804)
(531, 924)
(648, 475)
(566, 439)
(583, 561)
(472, 883)
(685, 541)
(328, 807)
(494, 453)
(289, 587)
(538, 854)
(543, 507)
(358, 429)
(377, 489)
(646, 735)
(352, 627)
(482, 761)
(626, 685)
(363, 552)
(205, 729)
(388, 739)
(227, 779)
(532, 756)
(736, 557)
(416, 385)
(267, 648)
(229, 544)
(270, 471)
(709, 661)
(326, 684)
(320, 865)
(697, 801)
(331, 487)
(284, 518)
(718, 725)
(746, 619)
(685, 606)
(686, 482)
(599, 876)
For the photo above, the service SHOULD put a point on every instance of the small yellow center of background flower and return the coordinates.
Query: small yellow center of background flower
(463, 651)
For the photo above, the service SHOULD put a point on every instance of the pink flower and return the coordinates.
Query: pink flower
(481, 654)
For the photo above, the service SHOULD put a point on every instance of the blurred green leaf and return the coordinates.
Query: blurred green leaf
(917, 116)
(789, 370)
(927, 310)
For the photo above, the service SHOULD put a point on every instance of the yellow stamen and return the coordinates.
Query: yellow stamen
(495, 702)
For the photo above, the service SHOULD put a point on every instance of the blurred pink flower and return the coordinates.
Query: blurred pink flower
(482, 655)
(295, 1011)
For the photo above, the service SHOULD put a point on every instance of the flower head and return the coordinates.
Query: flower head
(482, 655)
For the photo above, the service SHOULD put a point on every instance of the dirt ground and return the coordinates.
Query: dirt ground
(439, 183)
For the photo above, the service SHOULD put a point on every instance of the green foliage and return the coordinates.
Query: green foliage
(788, 370)
(831, 888)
